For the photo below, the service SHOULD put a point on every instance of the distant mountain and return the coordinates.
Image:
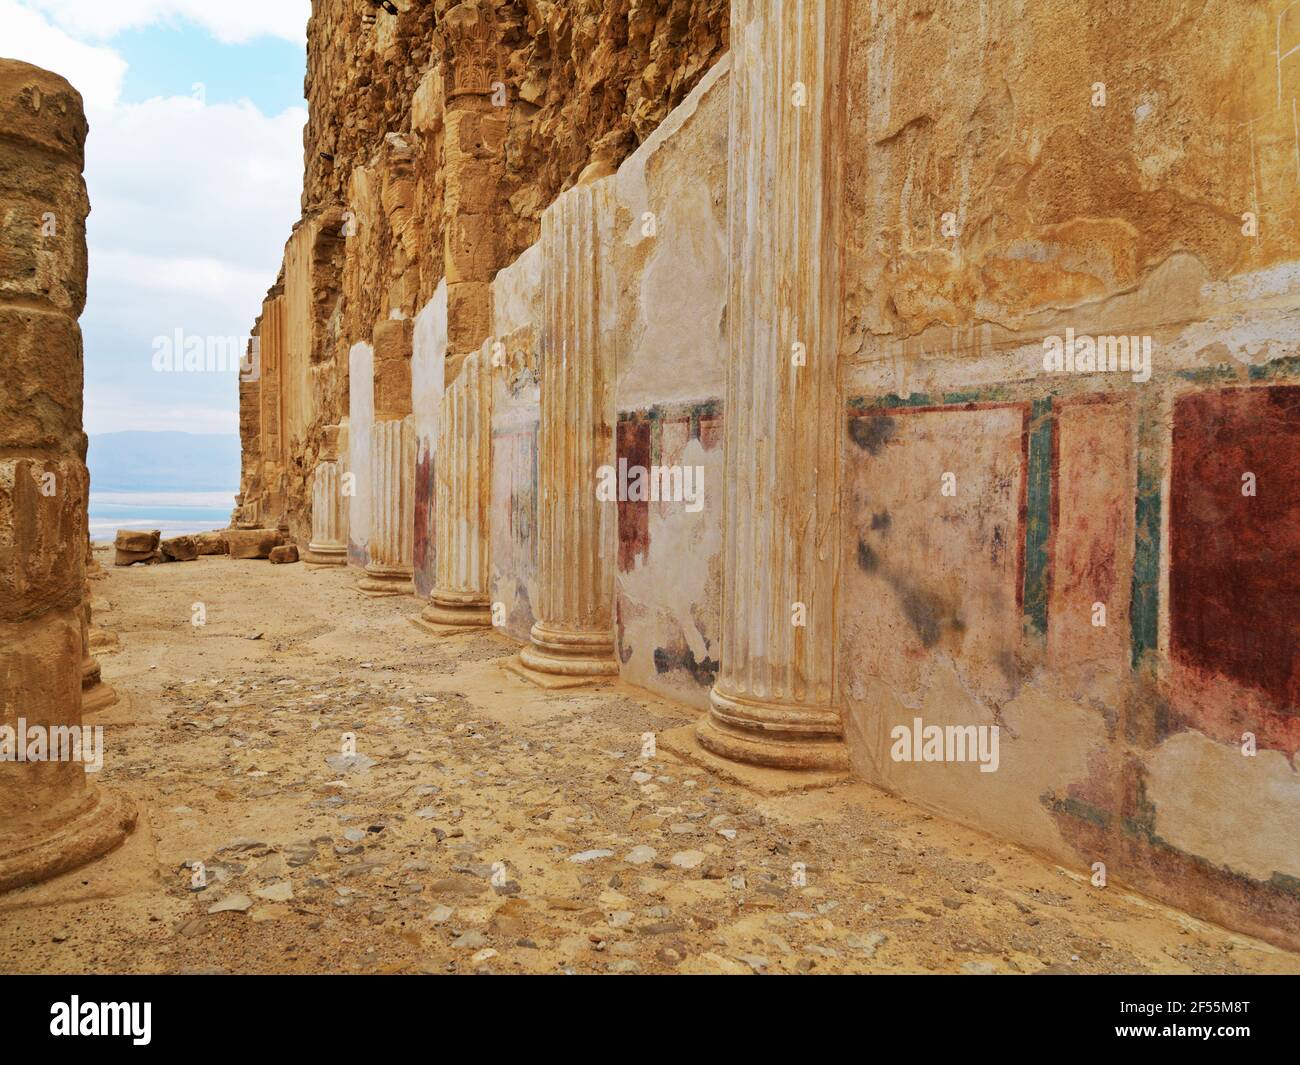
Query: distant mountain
(171, 462)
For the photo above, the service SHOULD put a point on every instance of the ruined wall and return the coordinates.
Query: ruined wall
(1070, 555)
(516, 412)
(1099, 563)
(672, 270)
(424, 184)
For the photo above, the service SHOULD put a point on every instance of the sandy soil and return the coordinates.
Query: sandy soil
(608, 863)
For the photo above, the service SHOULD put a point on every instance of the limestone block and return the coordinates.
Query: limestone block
(428, 103)
(212, 543)
(393, 339)
(132, 546)
(253, 543)
(284, 554)
(40, 388)
(42, 533)
(180, 549)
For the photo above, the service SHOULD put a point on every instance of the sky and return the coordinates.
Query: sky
(194, 165)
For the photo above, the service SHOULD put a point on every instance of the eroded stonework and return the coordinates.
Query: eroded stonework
(983, 348)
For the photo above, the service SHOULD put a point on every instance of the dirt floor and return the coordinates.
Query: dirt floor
(484, 825)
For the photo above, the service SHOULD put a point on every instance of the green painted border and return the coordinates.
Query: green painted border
(1038, 513)
(1038, 474)
(1144, 605)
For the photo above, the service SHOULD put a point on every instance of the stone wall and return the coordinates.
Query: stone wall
(1103, 581)
(436, 138)
(835, 277)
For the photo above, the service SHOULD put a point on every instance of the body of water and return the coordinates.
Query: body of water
(172, 513)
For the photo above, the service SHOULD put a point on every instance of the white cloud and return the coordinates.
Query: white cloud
(94, 71)
(190, 208)
(231, 21)
(122, 411)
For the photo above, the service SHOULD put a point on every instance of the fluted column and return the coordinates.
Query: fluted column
(52, 818)
(774, 702)
(390, 570)
(392, 509)
(95, 694)
(462, 482)
(574, 634)
(328, 546)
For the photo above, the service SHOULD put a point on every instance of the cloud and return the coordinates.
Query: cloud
(230, 21)
(190, 208)
(94, 71)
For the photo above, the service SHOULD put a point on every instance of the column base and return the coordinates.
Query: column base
(95, 694)
(774, 735)
(101, 822)
(100, 697)
(326, 555)
(458, 609)
(387, 580)
(560, 658)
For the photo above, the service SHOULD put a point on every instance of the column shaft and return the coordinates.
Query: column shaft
(392, 509)
(52, 819)
(462, 496)
(328, 546)
(774, 702)
(574, 633)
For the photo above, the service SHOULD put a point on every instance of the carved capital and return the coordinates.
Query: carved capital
(471, 62)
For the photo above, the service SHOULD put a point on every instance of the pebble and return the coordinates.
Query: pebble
(471, 940)
(688, 859)
(583, 857)
(348, 763)
(237, 903)
(641, 855)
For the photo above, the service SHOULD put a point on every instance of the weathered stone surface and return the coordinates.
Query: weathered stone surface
(252, 543)
(180, 549)
(132, 546)
(284, 554)
(435, 142)
(136, 540)
(916, 517)
(212, 543)
(52, 818)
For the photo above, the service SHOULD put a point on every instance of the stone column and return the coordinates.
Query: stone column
(328, 546)
(52, 819)
(774, 702)
(476, 121)
(392, 465)
(95, 694)
(573, 639)
(463, 473)
(271, 504)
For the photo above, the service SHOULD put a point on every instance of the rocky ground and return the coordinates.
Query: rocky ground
(483, 825)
